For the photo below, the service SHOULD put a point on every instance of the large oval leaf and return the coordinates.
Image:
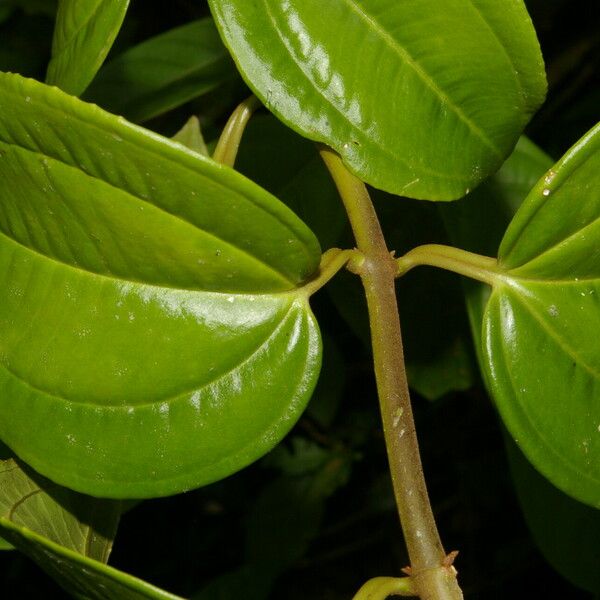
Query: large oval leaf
(154, 333)
(83, 35)
(420, 98)
(542, 323)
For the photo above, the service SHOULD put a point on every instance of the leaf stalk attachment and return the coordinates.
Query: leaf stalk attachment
(475, 266)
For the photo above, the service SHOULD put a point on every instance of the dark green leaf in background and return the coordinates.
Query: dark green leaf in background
(163, 72)
(154, 330)
(290, 168)
(566, 531)
(284, 518)
(83, 35)
(478, 221)
(434, 327)
(420, 100)
(542, 323)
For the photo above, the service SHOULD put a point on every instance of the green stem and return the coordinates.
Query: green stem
(331, 262)
(432, 577)
(475, 266)
(229, 142)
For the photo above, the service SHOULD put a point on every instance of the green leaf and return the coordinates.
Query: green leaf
(421, 99)
(83, 577)
(190, 135)
(6, 12)
(83, 35)
(565, 531)
(151, 303)
(163, 72)
(81, 523)
(542, 322)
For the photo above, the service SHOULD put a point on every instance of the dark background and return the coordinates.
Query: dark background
(183, 543)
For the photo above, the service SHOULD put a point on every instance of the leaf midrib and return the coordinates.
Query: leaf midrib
(147, 137)
(375, 142)
(208, 234)
(281, 321)
(555, 336)
(425, 77)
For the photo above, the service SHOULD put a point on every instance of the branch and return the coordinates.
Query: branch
(431, 576)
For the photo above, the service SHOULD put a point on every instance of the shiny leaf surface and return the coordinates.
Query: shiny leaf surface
(163, 72)
(421, 100)
(83, 577)
(542, 322)
(83, 35)
(154, 330)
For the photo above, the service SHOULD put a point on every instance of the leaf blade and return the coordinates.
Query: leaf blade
(83, 36)
(303, 62)
(547, 307)
(140, 322)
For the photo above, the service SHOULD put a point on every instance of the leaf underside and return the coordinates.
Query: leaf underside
(418, 102)
(153, 328)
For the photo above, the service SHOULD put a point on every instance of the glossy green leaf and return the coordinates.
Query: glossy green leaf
(154, 330)
(420, 99)
(566, 531)
(83, 35)
(163, 72)
(83, 577)
(542, 322)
